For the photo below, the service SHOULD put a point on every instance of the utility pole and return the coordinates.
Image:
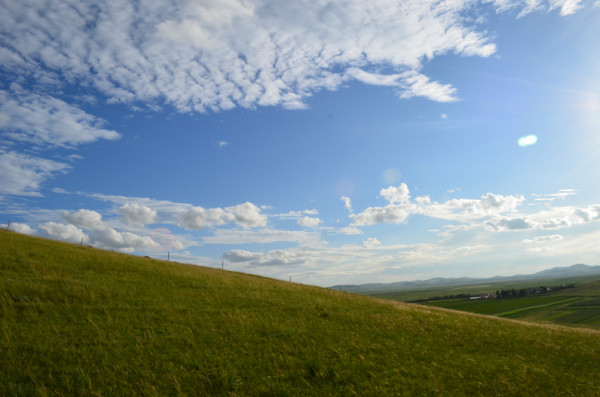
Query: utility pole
(222, 265)
(8, 225)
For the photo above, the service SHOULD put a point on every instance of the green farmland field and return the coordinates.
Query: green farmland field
(579, 308)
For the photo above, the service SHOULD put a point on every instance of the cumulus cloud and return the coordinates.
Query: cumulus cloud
(521, 223)
(87, 219)
(396, 195)
(271, 258)
(21, 228)
(246, 215)
(462, 210)
(218, 55)
(122, 241)
(239, 256)
(43, 120)
(65, 232)
(23, 174)
(136, 214)
(101, 235)
(387, 214)
(309, 221)
(554, 218)
(371, 242)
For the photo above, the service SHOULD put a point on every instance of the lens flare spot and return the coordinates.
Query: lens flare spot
(527, 140)
(391, 176)
(163, 239)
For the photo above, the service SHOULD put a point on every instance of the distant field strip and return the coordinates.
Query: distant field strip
(496, 306)
(524, 309)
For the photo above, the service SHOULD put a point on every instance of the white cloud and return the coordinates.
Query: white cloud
(416, 84)
(217, 55)
(294, 214)
(567, 7)
(87, 219)
(462, 210)
(309, 221)
(350, 231)
(410, 84)
(544, 239)
(465, 210)
(102, 235)
(553, 218)
(21, 228)
(248, 215)
(44, 120)
(562, 194)
(245, 215)
(261, 236)
(23, 174)
(347, 203)
(396, 195)
(238, 256)
(123, 241)
(387, 214)
(223, 143)
(371, 242)
(271, 258)
(136, 214)
(64, 232)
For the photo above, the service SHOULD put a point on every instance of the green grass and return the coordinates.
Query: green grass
(518, 312)
(495, 306)
(585, 287)
(559, 307)
(80, 321)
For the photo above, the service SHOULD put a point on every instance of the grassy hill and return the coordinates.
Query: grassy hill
(77, 320)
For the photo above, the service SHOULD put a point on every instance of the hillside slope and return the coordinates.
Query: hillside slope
(77, 320)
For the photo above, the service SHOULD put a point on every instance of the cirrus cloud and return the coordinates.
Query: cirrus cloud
(199, 56)
(44, 120)
(23, 174)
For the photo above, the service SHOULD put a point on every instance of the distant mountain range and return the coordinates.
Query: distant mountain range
(578, 270)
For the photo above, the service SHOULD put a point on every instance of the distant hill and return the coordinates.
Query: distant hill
(576, 270)
(76, 320)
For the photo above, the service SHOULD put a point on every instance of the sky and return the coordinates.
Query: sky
(320, 141)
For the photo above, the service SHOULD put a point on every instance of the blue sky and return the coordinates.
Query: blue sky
(330, 142)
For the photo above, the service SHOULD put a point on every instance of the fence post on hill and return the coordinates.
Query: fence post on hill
(222, 266)
(8, 224)
(168, 256)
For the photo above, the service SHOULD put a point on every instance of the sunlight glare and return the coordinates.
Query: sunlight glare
(527, 140)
